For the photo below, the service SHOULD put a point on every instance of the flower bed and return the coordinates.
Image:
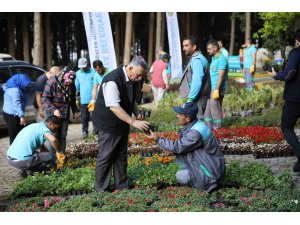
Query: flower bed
(258, 140)
(246, 188)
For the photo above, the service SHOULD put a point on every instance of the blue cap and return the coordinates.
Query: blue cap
(188, 108)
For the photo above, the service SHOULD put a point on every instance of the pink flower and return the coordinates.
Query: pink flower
(216, 205)
(46, 203)
(243, 199)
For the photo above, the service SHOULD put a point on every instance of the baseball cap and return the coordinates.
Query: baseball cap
(82, 63)
(188, 108)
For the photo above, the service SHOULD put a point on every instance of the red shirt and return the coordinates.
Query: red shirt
(157, 78)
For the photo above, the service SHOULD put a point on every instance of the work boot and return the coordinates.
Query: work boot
(296, 168)
(84, 135)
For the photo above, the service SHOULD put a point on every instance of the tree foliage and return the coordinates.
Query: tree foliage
(278, 29)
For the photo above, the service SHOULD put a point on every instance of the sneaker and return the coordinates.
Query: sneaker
(84, 135)
(296, 167)
(23, 173)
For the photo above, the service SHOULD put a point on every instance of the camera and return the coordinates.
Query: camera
(152, 127)
(277, 67)
(267, 68)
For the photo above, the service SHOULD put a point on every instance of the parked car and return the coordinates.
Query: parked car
(5, 57)
(11, 67)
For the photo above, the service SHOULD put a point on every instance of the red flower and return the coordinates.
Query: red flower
(176, 210)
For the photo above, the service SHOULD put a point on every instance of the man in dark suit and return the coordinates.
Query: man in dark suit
(112, 119)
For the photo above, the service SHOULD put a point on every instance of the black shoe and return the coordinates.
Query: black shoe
(23, 174)
(297, 167)
(84, 135)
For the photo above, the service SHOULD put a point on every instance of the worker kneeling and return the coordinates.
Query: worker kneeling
(198, 154)
(28, 151)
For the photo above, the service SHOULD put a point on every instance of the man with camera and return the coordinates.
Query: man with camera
(291, 107)
(198, 154)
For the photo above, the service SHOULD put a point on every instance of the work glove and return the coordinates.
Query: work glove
(60, 157)
(216, 94)
(91, 106)
(59, 165)
(252, 69)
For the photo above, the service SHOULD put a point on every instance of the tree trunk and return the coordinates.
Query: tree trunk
(188, 31)
(163, 30)
(37, 44)
(150, 43)
(158, 34)
(232, 34)
(212, 24)
(117, 37)
(194, 29)
(128, 33)
(25, 28)
(248, 26)
(49, 36)
(11, 35)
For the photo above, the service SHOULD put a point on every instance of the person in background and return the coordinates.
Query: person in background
(14, 104)
(291, 107)
(249, 64)
(112, 118)
(222, 49)
(169, 68)
(160, 81)
(39, 88)
(213, 115)
(200, 159)
(101, 71)
(84, 85)
(58, 97)
(28, 151)
(195, 83)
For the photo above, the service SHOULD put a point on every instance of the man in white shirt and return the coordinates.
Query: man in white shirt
(112, 119)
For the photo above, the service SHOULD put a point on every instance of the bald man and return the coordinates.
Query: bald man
(39, 88)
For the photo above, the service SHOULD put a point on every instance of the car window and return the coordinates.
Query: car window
(32, 72)
(4, 74)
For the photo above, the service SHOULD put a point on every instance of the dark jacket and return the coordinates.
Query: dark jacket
(198, 151)
(291, 76)
(104, 119)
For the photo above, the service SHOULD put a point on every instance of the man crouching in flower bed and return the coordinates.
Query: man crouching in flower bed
(198, 154)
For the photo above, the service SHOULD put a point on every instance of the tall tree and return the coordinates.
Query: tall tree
(128, 32)
(117, 37)
(163, 30)
(158, 34)
(150, 42)
(49, 37)
(248, 26)
(232, 33)
(278, 29)
(37, 46)
(11, 23)
(25, 28)
(188, 24)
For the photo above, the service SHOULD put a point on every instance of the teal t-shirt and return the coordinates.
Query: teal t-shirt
(84, 83)
(28, 140)
(218, 63)
(248, 56)
(98, 78)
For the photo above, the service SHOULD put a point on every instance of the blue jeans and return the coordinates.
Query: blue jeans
(290, 115)
(248, 79)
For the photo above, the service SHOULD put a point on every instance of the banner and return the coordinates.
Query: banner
(99, 38)
(174, 44)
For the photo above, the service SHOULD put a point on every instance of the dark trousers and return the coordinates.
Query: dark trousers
(61, 134)
(85, 117)
(13, 125)
(290, 114)
(112, 155)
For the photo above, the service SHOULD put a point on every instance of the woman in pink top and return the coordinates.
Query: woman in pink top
(159, 77)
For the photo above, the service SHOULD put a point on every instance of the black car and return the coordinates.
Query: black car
(11, 67)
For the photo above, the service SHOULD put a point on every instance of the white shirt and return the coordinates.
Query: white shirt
(111, 92)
